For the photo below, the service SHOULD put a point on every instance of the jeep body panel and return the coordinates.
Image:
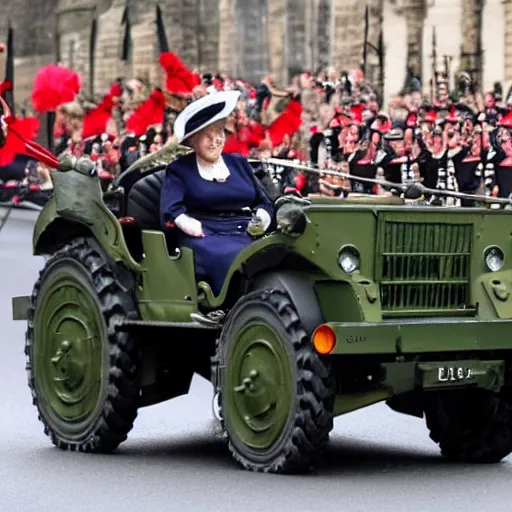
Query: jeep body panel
(167, 290)
(262, 253)
(78, 200)
(398, 379)
(389, 240)
(20, 307)
(419, 336)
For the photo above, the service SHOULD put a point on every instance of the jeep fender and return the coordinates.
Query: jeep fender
(301, 293)
(54, 229)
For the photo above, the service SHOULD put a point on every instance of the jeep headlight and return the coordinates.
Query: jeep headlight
(349, 259)
(494, 258)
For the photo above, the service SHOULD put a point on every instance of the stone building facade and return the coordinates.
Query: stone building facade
(106, 39)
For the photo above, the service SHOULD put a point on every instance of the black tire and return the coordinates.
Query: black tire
(310, 418)
(471, 425)
(115, 406)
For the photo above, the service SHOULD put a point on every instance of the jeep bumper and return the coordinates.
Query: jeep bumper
(421, 336)
(20, 307)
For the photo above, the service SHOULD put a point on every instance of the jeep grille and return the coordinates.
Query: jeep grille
(425, 268)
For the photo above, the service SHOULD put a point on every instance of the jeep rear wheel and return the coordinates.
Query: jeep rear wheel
(82, 372)
(276, 395)
(471, 425)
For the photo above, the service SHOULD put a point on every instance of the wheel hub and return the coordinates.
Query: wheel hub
(260, 386)
(258, 399)
(68, 352)
(68, 372)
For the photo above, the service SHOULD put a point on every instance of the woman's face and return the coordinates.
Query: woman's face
(209, 142)
(408, 137)
(243, 118)
(398, 146)
(505, 135)
(453, 138)
(437, 142)
(231, 122)
(477, 145)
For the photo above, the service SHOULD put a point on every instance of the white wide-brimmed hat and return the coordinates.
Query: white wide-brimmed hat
(203, 112)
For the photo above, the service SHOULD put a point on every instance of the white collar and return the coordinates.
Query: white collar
(213, 172)
(454, 151)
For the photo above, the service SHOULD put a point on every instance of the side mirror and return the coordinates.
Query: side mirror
(291, 219)
(294, 198)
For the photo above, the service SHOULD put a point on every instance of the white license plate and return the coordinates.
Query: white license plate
(454, 373)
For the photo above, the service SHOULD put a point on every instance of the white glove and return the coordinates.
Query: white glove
(189, 225)
(264, 217)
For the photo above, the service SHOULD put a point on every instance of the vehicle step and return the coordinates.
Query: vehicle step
(128, 324)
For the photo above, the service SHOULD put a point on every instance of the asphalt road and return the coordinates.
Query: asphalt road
(378, 460)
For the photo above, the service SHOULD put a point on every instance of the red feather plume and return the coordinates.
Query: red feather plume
(235, 145)
(412, 120)
(149, 113)
(300, 181)
(115, 90)
(19, 135)
(288, 123)
(506, 120)
(452, 116)
(255, 134)
(5, 86)
(18, 131)
(180, 80)
(431, 116)
(95, 122)
(53, 86)
(356, 112)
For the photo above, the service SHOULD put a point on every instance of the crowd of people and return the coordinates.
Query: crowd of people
(460, 140)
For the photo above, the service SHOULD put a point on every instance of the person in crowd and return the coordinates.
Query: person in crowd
(457, 140)
(396, 159)
(501, 156)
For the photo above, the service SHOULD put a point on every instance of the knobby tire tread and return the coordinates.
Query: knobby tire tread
(459, 442)
(120, 407)
(316, 390)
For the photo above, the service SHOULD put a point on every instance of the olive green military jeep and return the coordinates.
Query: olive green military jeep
(342, 305)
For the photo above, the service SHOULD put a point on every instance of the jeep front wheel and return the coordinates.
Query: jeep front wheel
(82, 372)
(473, 425)
(276, 395)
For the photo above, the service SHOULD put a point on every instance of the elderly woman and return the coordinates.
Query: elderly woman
(211, 196)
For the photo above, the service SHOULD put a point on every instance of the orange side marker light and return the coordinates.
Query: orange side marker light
(324, 339)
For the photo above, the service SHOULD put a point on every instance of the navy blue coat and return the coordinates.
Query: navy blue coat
(219, 208)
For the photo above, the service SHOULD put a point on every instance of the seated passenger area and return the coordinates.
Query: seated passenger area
(143, 202)
(143, 213)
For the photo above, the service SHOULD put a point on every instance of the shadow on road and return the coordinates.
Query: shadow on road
(342, 456)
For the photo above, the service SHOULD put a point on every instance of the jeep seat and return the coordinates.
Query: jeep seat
(143, 203)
